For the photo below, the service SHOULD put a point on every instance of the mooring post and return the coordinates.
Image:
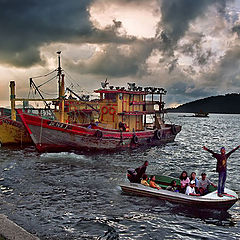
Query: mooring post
(12, 99)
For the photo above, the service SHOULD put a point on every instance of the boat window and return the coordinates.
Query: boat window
(120, 96)
(110, 96)
(131, 97)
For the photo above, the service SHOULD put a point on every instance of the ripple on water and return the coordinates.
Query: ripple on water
(76, 196)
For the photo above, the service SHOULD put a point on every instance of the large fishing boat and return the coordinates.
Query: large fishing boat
(77, 109)
(208, 201)
(123, 123)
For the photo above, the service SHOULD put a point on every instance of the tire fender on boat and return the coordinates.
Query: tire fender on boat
(158, 134)
(173, 129)
(98, 134)
(135, 139)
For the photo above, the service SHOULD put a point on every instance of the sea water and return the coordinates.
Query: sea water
(77, 195)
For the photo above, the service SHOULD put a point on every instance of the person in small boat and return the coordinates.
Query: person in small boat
(173, 186)
(204, 183)
(191, 189)
(152, 182)
(193, 177)
(144, 180)
(140, 171)
(221, 166)
(131, 175)
(184, 181)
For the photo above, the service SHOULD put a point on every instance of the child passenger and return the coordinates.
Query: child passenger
(173, 187)
(184, 181)
(153, 184)
(144, 180)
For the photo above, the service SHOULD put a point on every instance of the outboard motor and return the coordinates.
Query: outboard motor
(131, 175)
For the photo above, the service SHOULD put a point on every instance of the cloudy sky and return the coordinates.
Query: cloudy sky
(189, 47)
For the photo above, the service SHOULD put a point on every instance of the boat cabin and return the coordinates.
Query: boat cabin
(130, 109)
(80, 112)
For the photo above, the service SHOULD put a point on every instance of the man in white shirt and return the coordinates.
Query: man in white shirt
(191, 189)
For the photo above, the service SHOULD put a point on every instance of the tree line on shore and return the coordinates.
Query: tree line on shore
(229, 103)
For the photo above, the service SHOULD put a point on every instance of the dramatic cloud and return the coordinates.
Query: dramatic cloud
(178, 14)
(119, 60)
(227, 75)
(27, 25)
(190, 47)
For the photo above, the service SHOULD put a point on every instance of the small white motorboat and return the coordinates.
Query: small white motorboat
(208, 201)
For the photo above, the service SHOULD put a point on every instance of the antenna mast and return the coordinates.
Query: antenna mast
(59, 70)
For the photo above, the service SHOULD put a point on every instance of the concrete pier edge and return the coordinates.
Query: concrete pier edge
(11, 231)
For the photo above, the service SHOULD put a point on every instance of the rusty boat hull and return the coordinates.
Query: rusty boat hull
(53, 136)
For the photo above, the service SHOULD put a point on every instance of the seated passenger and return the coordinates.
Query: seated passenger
(144, 180)
(184, 181)
(191, 189)
(131, 175)
(204, 183)
(193, 177)
(152, 183)
(173, 187)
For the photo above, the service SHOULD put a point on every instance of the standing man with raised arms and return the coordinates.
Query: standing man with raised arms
(221, 166)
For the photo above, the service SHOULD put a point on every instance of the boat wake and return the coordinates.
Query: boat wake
(62, 155)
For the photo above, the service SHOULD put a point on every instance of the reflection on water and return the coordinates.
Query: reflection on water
(76, 195)
(219, 218)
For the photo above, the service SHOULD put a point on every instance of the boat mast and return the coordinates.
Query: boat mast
(60, 88)
(59, 70)
(61, 97)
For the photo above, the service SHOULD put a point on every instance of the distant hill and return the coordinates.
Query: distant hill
(229, 103)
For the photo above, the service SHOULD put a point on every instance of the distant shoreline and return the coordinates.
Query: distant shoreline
(210, 113)
(222, 104)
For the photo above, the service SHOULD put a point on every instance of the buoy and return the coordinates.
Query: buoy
(98, 134)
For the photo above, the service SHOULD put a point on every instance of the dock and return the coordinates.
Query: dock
(11, 231)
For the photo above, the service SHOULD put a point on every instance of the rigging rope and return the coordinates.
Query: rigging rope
(81, 89)
(49, 80)
(45, 75)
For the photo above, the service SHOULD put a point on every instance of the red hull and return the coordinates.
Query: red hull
(55, 136)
